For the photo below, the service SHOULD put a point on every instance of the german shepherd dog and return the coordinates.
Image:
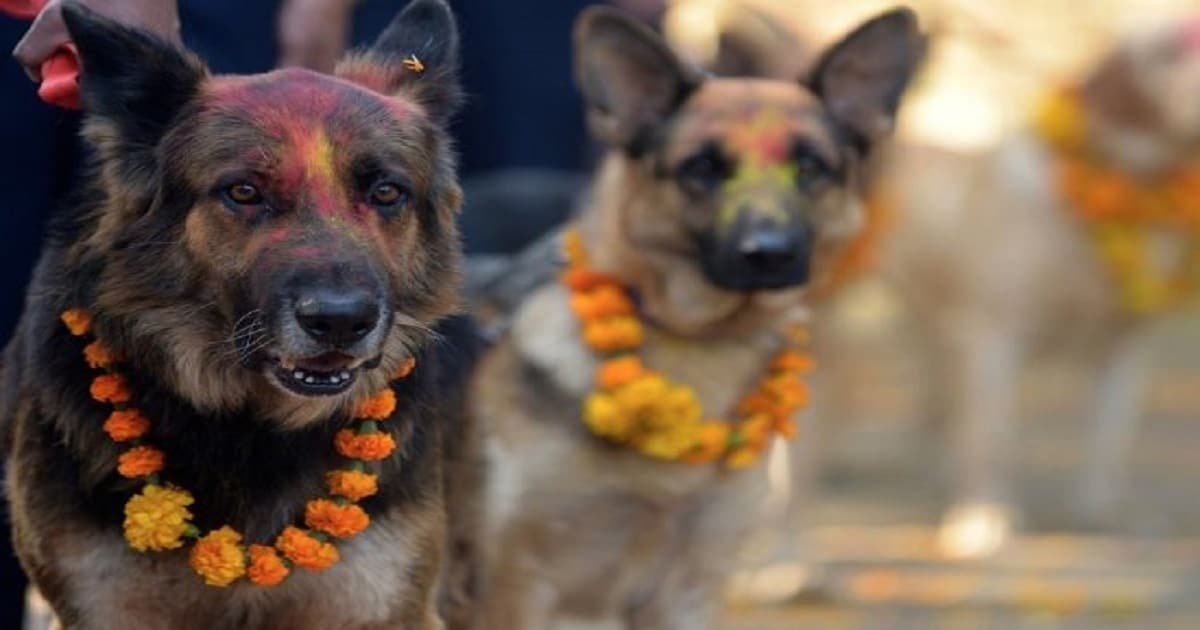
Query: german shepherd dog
(262, 251)
(577, 529)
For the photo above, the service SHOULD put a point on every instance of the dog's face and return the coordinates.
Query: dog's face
(1148, 91)
(306, 220)
(757, 176)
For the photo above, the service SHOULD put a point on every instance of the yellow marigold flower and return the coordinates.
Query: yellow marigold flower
(712, 438)
(305, 551)
(99, 356)
(351, 484)
(156, 518)
(378, 407)
(339, 521)
(617, 372)
(78, 321)
(370, 447)
(572, 248)
(740, 458)
(642, 393)
(125, 425)
(111, 388)
(266, 567)
(218, 557)
(604, 416)
(405, 369)
(140, 461)
(669, 443)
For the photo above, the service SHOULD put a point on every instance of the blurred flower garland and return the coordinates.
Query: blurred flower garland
(158, 519)
(640, 408)
(1122, 212)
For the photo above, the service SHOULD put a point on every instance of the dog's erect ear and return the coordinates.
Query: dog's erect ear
(631, 80)
(416, 55)
(863, 76)
(130, 78)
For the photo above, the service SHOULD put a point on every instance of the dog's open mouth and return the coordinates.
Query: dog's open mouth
(325, 375)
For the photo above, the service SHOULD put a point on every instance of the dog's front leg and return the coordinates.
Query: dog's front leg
(984, 361)
(1117, 399)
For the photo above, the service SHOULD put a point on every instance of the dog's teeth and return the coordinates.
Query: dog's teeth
(344, 375)
(310, 380)
(298, 375)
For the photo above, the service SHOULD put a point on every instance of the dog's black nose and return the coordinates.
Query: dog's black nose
(771, 249)
(339, 318)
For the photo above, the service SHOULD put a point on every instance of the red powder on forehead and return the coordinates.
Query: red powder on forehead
(296, 94)
(763, 138)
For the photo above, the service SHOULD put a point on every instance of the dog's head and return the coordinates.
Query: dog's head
(752, 180)
(288, 235)
(1143, 101)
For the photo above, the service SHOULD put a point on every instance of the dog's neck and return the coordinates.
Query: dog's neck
(662, 270)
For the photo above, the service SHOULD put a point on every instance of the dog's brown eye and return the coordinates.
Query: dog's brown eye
(244, 194)
(388, 195)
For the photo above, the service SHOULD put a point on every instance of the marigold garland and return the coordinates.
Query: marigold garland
(157, 518)
(1122, 212)
(640, 408)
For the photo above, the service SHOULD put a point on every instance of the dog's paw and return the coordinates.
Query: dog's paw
(975, 530)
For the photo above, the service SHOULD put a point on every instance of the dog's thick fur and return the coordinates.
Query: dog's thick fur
(578, 529)
(181, 281)
(989, 256)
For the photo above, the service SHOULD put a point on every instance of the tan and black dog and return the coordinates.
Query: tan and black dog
(719, 201)
(262, 251)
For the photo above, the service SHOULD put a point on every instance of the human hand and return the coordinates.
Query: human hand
(313, 33)
(48, 32)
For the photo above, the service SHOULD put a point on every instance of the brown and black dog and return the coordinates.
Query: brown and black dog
(719, 202)
(262, 251)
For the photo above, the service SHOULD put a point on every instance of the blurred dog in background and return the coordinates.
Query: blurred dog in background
(719, 202)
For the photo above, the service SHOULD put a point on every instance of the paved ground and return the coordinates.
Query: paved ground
(884, 487)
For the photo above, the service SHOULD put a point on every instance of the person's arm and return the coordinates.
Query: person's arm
(313, 33)
(48, 32)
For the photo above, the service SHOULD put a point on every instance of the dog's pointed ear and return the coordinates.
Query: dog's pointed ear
(631, 80)
(417, 55)
(862, 77)
(130, 79)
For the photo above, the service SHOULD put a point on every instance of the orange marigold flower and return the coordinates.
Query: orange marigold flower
(140, 461)
(369, 447)
(218, 557)
(111, 388)
(755, 430)
(351, 484)
(580, 279)
(78, 321)
(794, 362)
(266, 567)
(711, 441)
(99, 355)
(339, 521)
(604, 301)
(613, 334)
(621, 371)
(125, 425)
(405, 369)
(786, 428)
(572, 248)
(305, 551)
(378, 407)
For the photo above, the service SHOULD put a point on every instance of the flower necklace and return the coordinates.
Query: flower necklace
(640, 408)
(1122, 212)
(157, 518)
